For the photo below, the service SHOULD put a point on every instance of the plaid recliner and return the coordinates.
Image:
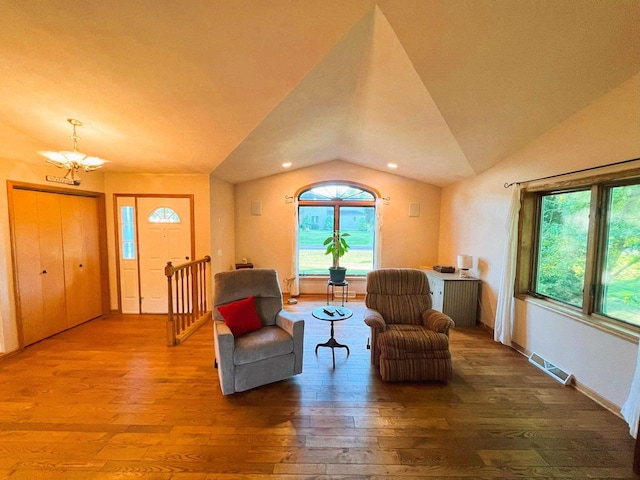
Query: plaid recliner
(409, 340)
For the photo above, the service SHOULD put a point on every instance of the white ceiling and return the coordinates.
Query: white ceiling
(443, 88)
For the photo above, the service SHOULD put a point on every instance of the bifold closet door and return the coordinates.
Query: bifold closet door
(81, 252)
(40, 265)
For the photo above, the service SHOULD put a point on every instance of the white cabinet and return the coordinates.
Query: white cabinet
(455, 296)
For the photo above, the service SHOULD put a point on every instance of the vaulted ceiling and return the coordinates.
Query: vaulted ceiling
(443, 88)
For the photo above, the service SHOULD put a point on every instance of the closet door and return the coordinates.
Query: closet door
(39, 262)
(81, 251)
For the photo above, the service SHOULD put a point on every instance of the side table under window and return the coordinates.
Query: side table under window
(345, 290)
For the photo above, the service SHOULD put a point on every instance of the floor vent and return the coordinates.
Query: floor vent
(337, 295)
(555, 372)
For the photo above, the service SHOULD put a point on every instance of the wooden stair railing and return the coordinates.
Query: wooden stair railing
(187, 294)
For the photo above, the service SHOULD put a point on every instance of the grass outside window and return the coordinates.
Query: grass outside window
(581, 246)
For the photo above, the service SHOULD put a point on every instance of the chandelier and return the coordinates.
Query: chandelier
(75, 160)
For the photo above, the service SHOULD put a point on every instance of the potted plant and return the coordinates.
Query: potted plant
(337, 246)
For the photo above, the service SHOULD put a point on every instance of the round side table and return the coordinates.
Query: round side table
(332, 314)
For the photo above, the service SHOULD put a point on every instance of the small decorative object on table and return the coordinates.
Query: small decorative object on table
(465, 262)
(444, 268)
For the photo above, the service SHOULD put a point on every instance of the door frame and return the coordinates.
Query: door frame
(102, 234)
(116, 230)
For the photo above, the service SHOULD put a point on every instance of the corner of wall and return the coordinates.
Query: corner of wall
(222, 221)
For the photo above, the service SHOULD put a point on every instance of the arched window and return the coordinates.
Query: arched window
(164, 215)
(327, 207)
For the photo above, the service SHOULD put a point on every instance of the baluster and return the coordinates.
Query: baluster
(188, 301)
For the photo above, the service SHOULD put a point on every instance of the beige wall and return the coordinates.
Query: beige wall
(473, 221)
(222, 225)
(267, 240)
(170, 184)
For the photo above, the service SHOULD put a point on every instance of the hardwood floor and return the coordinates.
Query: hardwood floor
(109, 400)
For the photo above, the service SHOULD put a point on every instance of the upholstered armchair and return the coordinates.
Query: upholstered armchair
(268, 342)
(409, 340)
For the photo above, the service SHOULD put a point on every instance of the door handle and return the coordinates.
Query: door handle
(44, 271)
(186, 258)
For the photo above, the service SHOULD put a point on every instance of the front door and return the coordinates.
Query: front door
(153, 231)
(164, 235)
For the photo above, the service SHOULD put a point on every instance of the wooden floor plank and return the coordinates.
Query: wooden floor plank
(109, 399)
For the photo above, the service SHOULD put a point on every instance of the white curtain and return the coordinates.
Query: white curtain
(294, 284)
(631, 408)
(377, 261)
(505, 306)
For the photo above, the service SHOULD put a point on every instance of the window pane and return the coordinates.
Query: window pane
(359, 223)
(333, 192)
(128, 251)
(621, 278)
(164, 215)
(128, 233)
(562, 246)
(127, 214)
(315, 224)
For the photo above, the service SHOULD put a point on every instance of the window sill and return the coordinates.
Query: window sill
(612, 327)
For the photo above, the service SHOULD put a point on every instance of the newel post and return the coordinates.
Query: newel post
(171, 330)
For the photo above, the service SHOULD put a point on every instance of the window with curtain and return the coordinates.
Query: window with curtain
(327, 207)
(580, 247)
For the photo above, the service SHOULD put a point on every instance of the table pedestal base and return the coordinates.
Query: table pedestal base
(332, 344)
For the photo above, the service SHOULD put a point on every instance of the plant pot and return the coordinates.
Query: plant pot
(337, 274)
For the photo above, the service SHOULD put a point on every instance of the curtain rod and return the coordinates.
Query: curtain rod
(507, 185)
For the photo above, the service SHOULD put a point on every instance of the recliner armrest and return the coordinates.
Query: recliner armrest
(374, 319)
(289, 322)
(224, 335)
(437, 321)
(294, 326)
(224, 344)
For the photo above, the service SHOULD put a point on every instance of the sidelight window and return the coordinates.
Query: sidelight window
(128, 233)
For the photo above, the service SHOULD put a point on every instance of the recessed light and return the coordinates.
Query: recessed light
(392, 165)
(287, 164)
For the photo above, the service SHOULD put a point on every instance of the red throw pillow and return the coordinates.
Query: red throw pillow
(241, 316)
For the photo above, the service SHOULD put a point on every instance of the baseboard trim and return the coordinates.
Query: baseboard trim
(603, 402)
(5, 355)
(338, 295)
(583, 389)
